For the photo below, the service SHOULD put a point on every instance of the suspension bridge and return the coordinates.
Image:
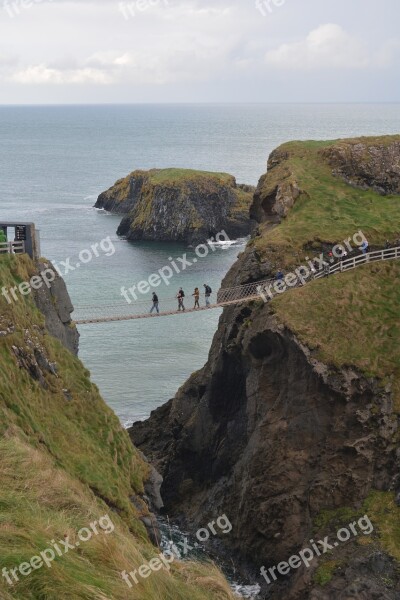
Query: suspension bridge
(87, 315)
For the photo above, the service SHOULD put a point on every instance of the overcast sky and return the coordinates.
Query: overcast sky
(63, 51)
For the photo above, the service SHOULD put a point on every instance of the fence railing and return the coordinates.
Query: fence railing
(225, 296)
(250, 290)
(352, 263)
(12, 247)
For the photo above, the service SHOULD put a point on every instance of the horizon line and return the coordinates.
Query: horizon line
(206, 103)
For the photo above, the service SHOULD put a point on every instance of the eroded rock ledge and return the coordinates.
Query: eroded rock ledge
(367, 164)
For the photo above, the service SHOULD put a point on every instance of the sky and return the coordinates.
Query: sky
(141, 51)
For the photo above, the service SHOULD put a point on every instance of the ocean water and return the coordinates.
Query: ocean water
(54, 161)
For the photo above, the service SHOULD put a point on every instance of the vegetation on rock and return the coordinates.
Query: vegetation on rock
(179, 205)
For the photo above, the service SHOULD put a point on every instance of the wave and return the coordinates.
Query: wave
(229, 243)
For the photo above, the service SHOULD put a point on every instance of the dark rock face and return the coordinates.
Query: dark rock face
(271, 437)
(123, 195)
(54, 302)
(367, 165)
(190, 208)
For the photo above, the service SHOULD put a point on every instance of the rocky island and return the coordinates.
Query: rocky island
(179, 205)
(292, 426)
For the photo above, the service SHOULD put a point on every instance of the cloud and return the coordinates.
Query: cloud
(327, 46)
(41, 74)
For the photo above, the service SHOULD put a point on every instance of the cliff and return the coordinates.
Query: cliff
(66, 464)
(179, 205)
(292, 426)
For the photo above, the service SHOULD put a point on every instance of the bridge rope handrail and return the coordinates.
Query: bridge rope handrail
(251, 291)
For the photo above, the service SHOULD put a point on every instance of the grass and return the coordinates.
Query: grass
(382, 511)
(324, 574)
(350, 319)
(41, 502)
(170, 178)
(328, 210)
(179, 176)
(384, 514)
(65, 461)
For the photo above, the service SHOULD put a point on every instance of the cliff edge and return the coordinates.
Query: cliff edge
(292, 426)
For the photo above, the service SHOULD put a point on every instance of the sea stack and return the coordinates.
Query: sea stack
(179, 205)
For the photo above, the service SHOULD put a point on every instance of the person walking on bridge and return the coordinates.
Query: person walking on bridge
(208, 292)
(196, 297)
(155, 304)
(180, 296)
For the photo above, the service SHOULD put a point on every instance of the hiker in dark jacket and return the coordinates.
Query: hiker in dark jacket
(180, 296)
(155, 304)
(208, 292)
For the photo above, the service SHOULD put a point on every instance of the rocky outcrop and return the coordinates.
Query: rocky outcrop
(270, 436)
(123, 195)
(55, 304)
(367, 164)
(277, 190)
(273, 436)
(179, 205)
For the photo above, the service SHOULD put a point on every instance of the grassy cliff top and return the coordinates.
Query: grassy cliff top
(170, 178)
(328, 210)
(178, 176)
(350, 319)
(65, 462)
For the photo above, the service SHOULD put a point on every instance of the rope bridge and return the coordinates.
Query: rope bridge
(226, 296)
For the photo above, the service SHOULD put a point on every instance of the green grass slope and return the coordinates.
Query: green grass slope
(65, 461)
(350, 318)
(328, 210)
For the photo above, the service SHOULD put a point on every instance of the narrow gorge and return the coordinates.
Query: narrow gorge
(292, 426)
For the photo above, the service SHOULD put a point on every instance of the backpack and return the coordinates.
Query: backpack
(208, 290)
(182, 294)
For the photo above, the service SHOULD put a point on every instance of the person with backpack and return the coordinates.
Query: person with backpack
(155, 304)
(196, 297)
(208, 292)
(180, 296)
